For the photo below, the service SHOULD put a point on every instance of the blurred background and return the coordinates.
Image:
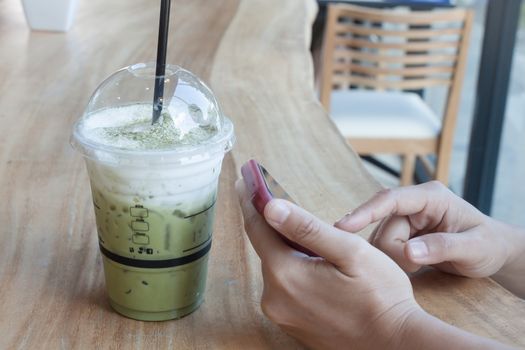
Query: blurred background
(509, 191)
(508, 196)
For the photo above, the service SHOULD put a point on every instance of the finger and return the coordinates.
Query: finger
(435, 248)
(374, 233)
(268, 245)
(391, 238)
(398, 201)
(300, 226)
(377, 231)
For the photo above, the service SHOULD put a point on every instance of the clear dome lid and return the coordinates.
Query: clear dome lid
(118, 118)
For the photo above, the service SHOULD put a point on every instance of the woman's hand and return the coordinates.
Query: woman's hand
(428, 225)
(350, 297)
(353, 296)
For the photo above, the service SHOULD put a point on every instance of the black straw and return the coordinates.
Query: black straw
(160, 70)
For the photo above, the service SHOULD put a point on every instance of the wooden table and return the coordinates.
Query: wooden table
(254, 54)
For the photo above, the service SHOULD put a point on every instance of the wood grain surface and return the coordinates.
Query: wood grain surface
(254, 54)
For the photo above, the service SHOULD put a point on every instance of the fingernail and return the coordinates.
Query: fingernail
(277, 212)
(418, 249)
(344, 218)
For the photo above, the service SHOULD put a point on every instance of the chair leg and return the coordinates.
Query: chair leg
(409, 165)
(442, 168)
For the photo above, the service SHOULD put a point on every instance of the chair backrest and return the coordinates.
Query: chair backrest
(393, 50)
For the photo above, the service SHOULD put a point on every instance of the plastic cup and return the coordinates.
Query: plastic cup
(154, 207)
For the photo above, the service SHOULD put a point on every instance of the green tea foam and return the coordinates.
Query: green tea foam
(129, 127)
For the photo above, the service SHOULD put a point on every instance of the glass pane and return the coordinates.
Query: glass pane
(509, 195)
(468, 96)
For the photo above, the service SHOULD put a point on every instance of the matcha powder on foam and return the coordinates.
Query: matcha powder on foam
(129, 127)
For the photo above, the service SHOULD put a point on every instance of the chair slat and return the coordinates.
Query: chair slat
(401, 59)
(422, 18)
(405, 46)
(408, 34)
(405, 72)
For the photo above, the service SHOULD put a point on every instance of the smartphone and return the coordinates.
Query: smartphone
(262, 188)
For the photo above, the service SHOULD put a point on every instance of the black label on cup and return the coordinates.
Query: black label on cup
(156, 264)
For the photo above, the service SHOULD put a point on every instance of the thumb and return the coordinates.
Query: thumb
(301, 227)
(435, 248)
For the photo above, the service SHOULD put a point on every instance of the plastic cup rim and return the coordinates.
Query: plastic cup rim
(220, 143)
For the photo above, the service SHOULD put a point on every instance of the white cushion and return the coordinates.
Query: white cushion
(382, 114)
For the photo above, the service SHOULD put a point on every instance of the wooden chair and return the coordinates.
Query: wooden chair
(371, 58)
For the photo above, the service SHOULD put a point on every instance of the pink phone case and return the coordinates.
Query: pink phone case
(261, 195)
(256, 185)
